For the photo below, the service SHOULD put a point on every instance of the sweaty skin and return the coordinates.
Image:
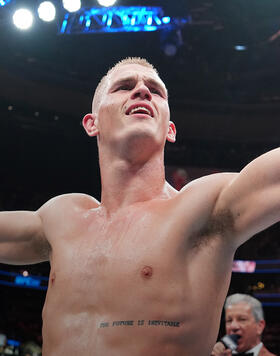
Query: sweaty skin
(146, 270)
(154, 261)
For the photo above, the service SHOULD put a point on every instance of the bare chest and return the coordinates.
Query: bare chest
(137, 267)
(127, 247)
(121, 258)
(136, 253)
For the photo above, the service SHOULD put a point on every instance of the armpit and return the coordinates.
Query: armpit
(42, 248)
(221, 224)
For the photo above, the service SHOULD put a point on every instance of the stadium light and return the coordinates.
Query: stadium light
(46, 11)
(23, 19)
(106, 3)
(72, 5)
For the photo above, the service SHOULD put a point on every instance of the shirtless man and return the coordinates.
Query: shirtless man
(147, 270)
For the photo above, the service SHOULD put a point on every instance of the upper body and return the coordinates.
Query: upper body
(147, 269)
(243, 317)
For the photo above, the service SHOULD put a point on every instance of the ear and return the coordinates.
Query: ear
(171, 135)
(89, 124)
(260, 327)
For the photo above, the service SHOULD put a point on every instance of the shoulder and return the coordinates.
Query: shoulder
(68, 202)
(62, 214)
(84, 200)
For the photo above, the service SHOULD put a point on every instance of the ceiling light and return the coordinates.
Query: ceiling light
(46, 11)
(23, 19)
(72, 5)
(107, 3)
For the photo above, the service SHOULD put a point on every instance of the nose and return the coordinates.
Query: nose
(234, 326)
(141, 92)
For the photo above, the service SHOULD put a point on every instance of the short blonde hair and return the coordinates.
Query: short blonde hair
(103, 82)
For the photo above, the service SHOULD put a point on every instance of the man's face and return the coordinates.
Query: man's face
(134, 106)
(240, 321)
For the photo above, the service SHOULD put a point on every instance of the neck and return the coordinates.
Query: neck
(126, 182)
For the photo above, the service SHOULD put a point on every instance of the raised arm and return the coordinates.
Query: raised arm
(253, 197)
(22, 239)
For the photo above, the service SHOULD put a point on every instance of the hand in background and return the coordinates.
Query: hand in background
(220, 350)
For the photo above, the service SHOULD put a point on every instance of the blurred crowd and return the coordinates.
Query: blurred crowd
(12, 347)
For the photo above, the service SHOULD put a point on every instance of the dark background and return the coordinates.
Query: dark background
(225, 104)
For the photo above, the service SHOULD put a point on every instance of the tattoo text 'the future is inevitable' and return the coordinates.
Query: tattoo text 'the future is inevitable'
(116, 323)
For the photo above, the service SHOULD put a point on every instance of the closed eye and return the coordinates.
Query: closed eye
(124, 87)
(155, 91)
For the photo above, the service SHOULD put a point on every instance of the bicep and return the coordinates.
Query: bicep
(22, 238)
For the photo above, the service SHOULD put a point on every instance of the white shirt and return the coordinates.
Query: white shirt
(256, 350)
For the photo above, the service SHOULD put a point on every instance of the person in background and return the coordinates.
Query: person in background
(244, 317)
(3, 342)
(30, 348)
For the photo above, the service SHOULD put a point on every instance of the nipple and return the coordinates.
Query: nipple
(147, 272)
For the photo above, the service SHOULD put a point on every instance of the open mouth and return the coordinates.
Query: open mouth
(142, 110)
(239, 338)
